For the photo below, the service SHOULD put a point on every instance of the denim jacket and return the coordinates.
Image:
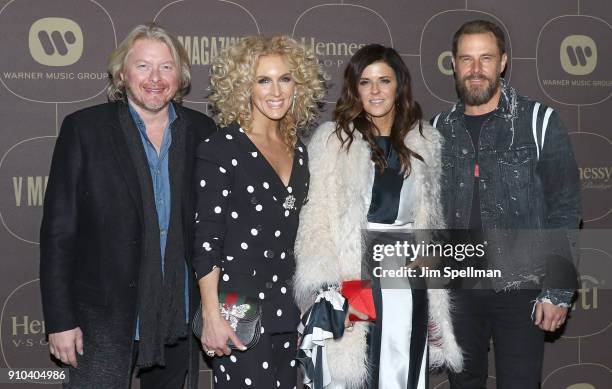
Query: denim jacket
(529, 189)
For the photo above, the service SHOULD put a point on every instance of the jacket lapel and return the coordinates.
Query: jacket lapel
(258, 166)
(180, 166)
(122, 127)
(181, 128)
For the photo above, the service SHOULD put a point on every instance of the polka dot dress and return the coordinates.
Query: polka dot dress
(269, 364)
(245, 224)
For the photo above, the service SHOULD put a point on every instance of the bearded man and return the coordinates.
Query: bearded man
(510, 178)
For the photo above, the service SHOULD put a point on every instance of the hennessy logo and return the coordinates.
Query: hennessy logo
(596, 177)
(332, 48)
(596, 173)
(23, 325)
(55, 41)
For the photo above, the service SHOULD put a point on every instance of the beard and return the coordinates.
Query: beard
(477, 95)
(153, 107)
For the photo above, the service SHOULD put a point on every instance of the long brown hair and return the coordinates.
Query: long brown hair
(350, 116)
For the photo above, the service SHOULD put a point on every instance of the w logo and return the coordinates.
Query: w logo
(55, 41)
(578, 55)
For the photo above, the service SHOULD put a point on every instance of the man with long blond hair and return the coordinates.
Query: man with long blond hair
(116, 230)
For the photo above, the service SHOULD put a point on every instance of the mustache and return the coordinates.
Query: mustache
(479, 77)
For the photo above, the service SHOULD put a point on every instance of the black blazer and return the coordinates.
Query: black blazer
(91, 233)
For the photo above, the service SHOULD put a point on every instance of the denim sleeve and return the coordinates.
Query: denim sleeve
(560, 180)
(559, 297)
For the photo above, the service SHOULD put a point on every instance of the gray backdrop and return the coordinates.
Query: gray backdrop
(53, 62)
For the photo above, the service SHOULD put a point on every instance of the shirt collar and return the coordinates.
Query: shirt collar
(140, 123)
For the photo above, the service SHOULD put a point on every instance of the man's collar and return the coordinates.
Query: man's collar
(172, 115)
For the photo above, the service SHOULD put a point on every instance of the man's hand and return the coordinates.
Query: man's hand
(64, 345)
(549, 317)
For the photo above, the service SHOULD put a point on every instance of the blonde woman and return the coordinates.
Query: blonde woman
(252, 180)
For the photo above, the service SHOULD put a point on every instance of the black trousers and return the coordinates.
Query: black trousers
(480, 315)
(171, 376)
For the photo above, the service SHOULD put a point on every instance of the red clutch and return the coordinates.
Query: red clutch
(359, 295)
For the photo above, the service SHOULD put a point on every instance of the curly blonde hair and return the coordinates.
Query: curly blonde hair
(115, 89)
(232, 76)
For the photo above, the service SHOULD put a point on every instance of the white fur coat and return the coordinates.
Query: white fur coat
(329, 242)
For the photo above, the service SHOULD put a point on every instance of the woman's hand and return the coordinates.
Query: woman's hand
(216, 333)
(352, 311)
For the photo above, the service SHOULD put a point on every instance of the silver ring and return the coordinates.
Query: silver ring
(210, 353)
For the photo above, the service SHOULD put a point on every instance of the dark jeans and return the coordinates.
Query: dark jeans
(171, 376)
(519, 344)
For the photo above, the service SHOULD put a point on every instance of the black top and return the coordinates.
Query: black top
(246, 222)
(387, 186)
(474, 124)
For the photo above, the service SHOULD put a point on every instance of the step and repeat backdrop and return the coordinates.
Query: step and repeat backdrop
(53, 62)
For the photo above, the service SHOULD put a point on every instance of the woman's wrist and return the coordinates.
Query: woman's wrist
(211, 312)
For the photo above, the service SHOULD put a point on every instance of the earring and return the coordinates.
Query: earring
(293, 101)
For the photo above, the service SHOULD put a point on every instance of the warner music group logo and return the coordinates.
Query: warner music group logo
(578, 55)
(55, 41)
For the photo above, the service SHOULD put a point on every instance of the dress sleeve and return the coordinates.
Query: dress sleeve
(213, 189)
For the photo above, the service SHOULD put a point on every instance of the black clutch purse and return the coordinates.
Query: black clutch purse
(242, 313)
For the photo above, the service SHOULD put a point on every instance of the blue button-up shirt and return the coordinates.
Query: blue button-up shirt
(160, 176)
